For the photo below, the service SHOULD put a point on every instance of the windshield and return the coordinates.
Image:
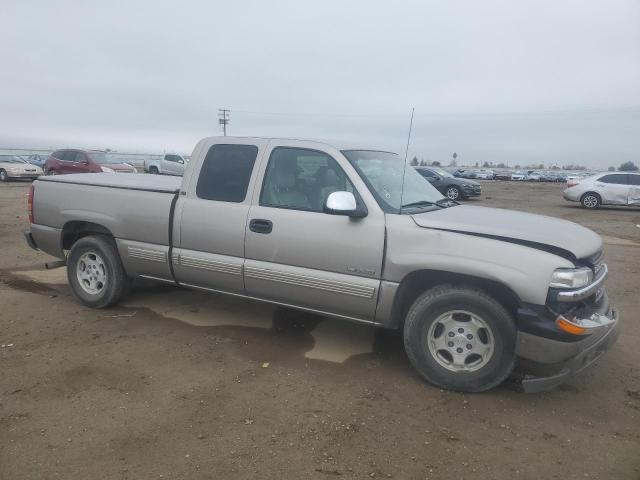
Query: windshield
(11, 159)
(382, 172)
(103, 158)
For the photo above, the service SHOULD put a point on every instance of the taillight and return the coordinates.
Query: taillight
(572, 183)
(30, 203)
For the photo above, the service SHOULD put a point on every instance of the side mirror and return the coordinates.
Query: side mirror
(181, 161)
(343, 203)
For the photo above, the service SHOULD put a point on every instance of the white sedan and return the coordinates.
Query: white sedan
(618, 188)
(12, 166)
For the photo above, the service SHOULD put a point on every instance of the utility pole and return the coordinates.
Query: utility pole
(223, 113)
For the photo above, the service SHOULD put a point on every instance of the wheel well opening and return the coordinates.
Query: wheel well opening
(415, 283)
(75, 230)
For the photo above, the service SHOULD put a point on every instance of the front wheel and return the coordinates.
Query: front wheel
(460, 338)
(95, 273)
(453, 193)
(3, 176)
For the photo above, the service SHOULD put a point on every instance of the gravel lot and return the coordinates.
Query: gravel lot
(179, 384)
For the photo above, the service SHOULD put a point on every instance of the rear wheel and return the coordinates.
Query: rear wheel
(3, 176)
(460, 338)
(95, 273)
(153, 170)
(591, 200)
(453, 193)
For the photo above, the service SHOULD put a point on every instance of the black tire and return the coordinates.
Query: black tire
(591, 200)
(153, 171)
(3, 175)
(438, 302)
(50, 171)
(453, 193)
(115, 278)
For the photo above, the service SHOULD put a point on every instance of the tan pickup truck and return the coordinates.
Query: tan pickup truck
(350, 233)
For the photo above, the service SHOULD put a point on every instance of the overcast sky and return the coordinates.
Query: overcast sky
(514, 81)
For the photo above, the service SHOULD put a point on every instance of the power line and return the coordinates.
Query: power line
(224, 120)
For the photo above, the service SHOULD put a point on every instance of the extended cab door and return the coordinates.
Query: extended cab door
(211, 216)
(295, 253)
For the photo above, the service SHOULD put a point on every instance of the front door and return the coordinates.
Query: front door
(297, 254)
(212, 217)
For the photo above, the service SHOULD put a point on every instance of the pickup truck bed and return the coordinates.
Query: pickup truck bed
(127, 206)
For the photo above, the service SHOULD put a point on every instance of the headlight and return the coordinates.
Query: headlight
(107, 169)
(571, 277)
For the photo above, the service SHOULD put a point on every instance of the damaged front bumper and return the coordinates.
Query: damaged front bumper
(548, 356)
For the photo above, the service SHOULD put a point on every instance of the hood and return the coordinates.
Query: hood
(538, 231)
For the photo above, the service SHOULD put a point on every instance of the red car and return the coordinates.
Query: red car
(84, 161)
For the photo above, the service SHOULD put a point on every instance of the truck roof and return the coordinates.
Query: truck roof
(337, 146)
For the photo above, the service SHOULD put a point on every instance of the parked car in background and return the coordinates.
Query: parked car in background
(485, 174)
(37, 159)
(167, 164)
(605, 189)
(66, 161)
(533, 176)
(518, 176)
(351, 234)
(454, 188)
(502, 175)
(12, 166)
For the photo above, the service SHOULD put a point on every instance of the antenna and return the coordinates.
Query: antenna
(406, 153)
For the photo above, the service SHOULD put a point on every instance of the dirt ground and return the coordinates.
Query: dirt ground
(179, 384)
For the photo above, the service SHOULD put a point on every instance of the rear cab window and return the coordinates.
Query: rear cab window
(226, 172)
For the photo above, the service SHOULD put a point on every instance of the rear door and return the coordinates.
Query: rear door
(299, 255)
(634, 189)
(614, 188)
(212, 215)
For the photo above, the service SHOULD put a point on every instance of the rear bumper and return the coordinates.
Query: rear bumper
(548, 362)
(572, 196)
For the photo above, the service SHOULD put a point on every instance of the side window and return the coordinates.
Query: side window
(59, 154)
(427, 173)
(301, 179)
(70, 156)
(616, 178)
(225, 173)
(634, 179)
(172, 158)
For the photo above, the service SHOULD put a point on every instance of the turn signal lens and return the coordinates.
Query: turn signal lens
(570, 327)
